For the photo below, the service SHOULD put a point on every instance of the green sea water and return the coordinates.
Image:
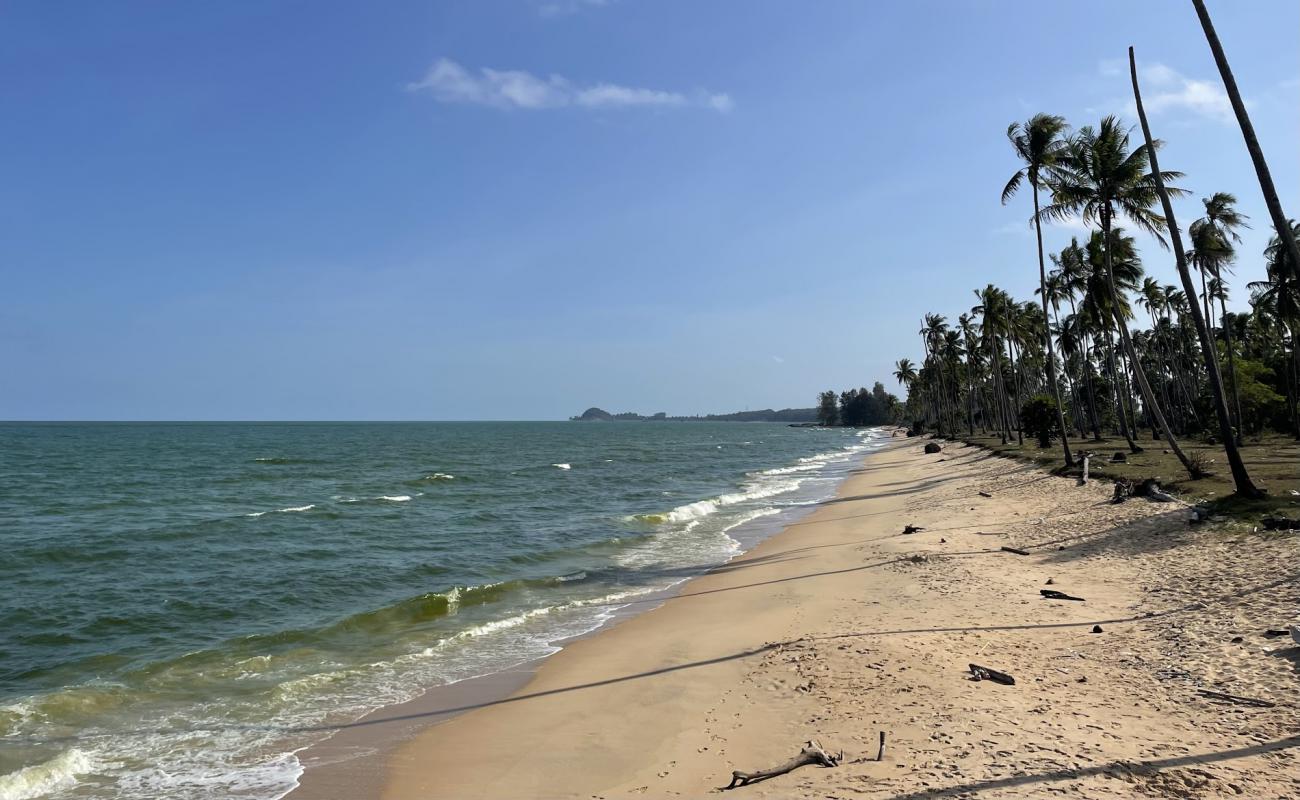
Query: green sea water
(187, 605)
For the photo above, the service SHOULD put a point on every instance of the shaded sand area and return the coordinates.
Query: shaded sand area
(841, 627)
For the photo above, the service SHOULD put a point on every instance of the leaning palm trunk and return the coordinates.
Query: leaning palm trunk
(1118, 391)
(1240, 477)
(1284, 232)
(1047, 337)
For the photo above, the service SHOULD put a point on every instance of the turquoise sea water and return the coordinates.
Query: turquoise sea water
(180, 601)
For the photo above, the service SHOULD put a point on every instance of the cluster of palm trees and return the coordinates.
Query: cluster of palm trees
(1198, 369)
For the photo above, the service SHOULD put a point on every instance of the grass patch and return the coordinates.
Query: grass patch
(1273, 461)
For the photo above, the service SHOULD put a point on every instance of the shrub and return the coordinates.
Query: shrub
(1039, 418)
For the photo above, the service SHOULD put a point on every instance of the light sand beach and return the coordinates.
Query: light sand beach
(842, 627)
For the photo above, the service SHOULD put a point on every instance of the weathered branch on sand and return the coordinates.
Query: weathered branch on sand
(1232, 698)
(812, 753)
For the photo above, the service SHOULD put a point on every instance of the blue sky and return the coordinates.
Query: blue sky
(517, 209)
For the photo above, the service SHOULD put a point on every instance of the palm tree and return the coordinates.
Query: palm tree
(1241, 478)
(1286, 236)
(1039, 144)
(1278, 298)
(905, 373)
(1212, 252)
(1099, 178)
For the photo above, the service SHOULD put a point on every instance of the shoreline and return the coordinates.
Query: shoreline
(356, 753)
(840, 627)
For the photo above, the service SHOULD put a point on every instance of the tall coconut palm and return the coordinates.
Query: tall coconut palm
(1098, 179)
(1240, 477)
(1211, 238)
(1278, 298)
(1286, 236)
(1039, 143)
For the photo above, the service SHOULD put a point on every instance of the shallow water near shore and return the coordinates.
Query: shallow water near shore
(187, 605)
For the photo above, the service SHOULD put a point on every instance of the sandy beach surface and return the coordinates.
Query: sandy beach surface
(842, 627)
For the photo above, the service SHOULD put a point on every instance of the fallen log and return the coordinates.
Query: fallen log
(985, 494)
(1016, 550)
(1232, 698)
(912, 529)
(812, 753)
(986, 674)
(1052, 594)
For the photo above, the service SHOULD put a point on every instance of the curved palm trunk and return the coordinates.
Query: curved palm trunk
(1118, 390)
(1047, 338)
(1284, 232)
(1240, 477)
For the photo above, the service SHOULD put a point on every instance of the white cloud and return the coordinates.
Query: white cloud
(1164, 89)
(449, 82)
(559, 8)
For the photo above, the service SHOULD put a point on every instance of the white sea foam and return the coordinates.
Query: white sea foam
(289, 510)
(395, 498)
(47, 777)
(563, 466)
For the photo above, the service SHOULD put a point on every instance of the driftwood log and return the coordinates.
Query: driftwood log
(912, 529)
(1016, 550)
(988, 674)
(1232, 698)
(1052, 594)
(812, 753)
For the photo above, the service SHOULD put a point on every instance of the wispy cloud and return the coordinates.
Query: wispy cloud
(449, 82)
(1165, 89)
(560, 8)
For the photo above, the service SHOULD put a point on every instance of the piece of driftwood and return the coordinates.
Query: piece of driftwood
(985, 494)
(1052, 594)
(1232, 698)
(880, 753)
(1274, 633)
(987, 674)
(1280, 524)
(812, 753)
(1015, 550)
(912, 529)
(1150, 489)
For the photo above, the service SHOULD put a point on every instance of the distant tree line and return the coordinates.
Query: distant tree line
(855, 407)
(761, 415)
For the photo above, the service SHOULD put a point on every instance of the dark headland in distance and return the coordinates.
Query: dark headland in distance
(762, 415)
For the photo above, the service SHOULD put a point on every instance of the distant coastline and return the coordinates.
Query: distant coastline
(594, 414)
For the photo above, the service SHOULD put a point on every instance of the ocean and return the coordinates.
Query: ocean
(184, 606)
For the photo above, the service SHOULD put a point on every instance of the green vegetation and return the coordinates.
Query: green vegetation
(1219, 392)
(858, 407)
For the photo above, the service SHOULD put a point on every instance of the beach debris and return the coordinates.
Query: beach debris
(943, 541)
(985, 494)
(1051, 581)
(1274, 633)
(912, 529)
(1052, 594)
(1081, 679)
(880, 753)
(1148, 488)
(1118, 458)
(812, 753)
(933, 447)
(1015, 550)
(1096, 629)
(1238, 639)
(1083, 476)
(979, 673)
(1232, 698)
(1280, 524)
